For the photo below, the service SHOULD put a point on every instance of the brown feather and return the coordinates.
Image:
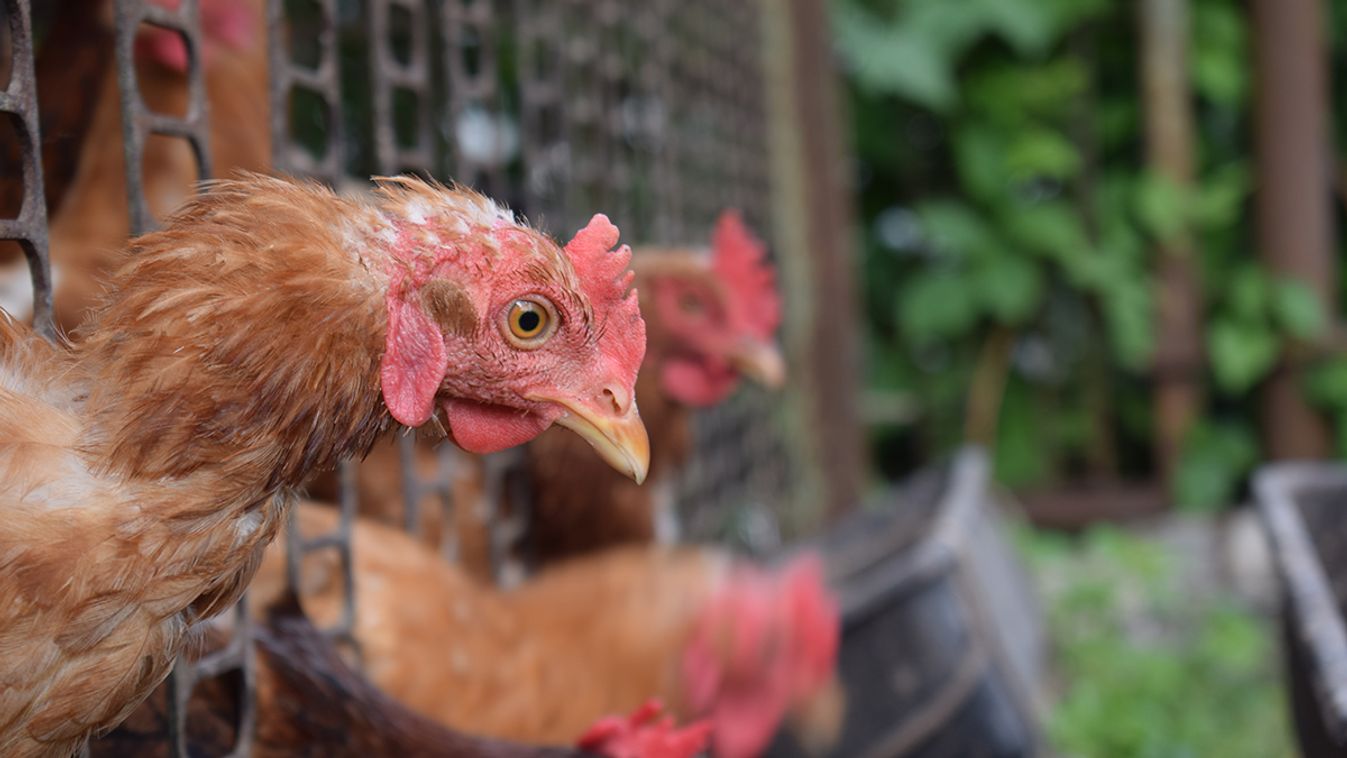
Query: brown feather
(537, 664)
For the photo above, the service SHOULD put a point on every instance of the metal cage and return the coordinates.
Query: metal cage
(655, 112)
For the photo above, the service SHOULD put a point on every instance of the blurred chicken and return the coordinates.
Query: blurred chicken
(711, 319)
(309, 702)
(269, 330)
(712, 637)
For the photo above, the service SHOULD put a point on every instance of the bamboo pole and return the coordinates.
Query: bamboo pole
(1167, 100)
(814, 215)
(1294, 165)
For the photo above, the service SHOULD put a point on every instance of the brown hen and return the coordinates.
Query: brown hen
(269, 330)
(711, 637)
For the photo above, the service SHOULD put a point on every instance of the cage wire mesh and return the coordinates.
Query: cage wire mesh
(651, 112)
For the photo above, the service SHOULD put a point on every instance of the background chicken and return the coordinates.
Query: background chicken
(711, 319)
(712, 637)
(309, 702)
(140, 470)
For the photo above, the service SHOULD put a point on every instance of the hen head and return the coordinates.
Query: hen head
(535, 334)
(716, 317)
(764, 647)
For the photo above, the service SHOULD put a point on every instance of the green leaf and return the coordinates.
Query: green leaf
(1249, 293)
(1022, 454)
(1025, 24)
(1214, 460)
(1241, 353)
(1128, 315)
(936, 305)
(894, 60)
(1042, 153)
(1221, 197)
(979, 155)
(1009, 287)
(1052, 229)
(954, 228)
(1160, 205)
(1327, 384)
(1220, 54)
(1298, 309)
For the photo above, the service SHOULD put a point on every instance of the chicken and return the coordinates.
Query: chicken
(711, 319)
(269, 330)
(309, 702)
(712, 637)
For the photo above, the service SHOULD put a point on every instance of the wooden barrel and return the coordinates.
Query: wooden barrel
(943, 645)
(1304, 509)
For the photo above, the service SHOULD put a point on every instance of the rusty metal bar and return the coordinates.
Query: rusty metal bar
(138, 121)
(29, 228)
(1294, 157)
(472, 73)
(289, 79)
(544, 139)
(391, 76)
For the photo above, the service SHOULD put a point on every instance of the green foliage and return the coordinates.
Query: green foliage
(1147, 669)
(1008, 135)
(1215, 459)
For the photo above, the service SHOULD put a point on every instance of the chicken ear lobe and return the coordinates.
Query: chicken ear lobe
(414, 360)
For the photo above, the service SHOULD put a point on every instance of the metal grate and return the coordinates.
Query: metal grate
(651, 112)
(19, 100)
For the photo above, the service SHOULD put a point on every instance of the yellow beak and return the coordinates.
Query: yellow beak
(760, 361)
(620, 440)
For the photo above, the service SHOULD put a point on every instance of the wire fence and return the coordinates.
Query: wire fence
(653, 112)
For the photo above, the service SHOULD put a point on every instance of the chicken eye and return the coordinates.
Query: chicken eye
(692, 305)
(529, 322)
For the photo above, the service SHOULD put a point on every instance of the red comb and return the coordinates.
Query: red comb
(739, 258)
(814, 614)
(606, 281)
(645, 734)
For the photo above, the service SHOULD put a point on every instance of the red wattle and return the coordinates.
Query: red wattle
(481, 428)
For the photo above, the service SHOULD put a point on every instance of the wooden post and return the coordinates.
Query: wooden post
(812, 201)
(1167, 100)
(1294, 164)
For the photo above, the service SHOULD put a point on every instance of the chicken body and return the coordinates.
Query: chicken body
(309, 702)
(589, 637)
(269, 330)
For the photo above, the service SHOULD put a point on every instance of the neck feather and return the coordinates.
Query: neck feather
(242, 342)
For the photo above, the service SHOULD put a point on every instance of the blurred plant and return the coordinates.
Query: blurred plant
(1151, 670)
(1009, 271)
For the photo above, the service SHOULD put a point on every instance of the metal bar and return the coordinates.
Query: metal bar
(288, 78)
(138, 122)
(388, 75)
(29, 229)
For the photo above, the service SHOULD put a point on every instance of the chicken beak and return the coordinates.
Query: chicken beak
(621, 440)
(817, 722)
(760, 361)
